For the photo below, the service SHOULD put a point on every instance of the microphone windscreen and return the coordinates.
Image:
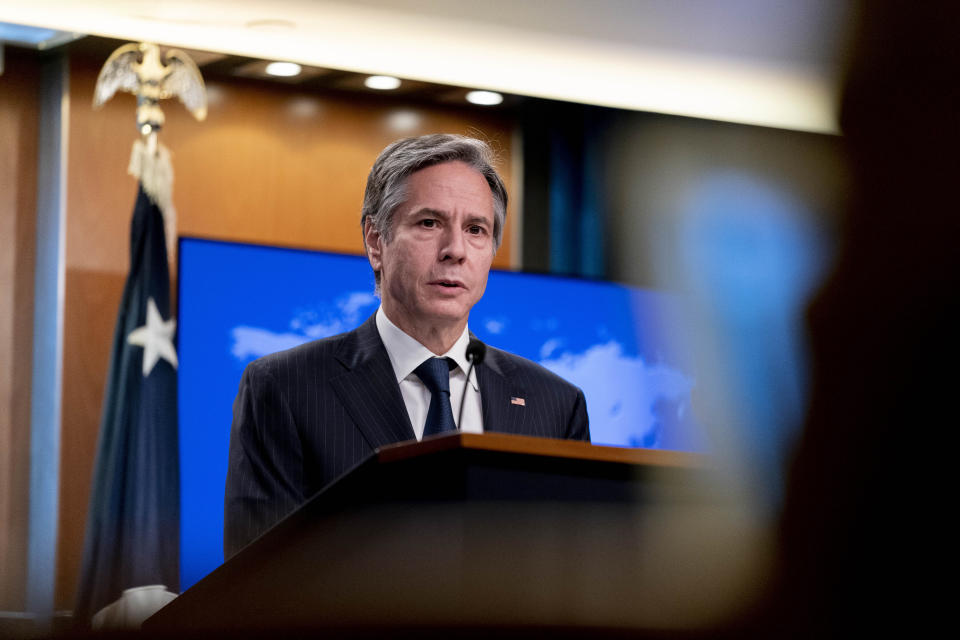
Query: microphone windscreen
(476, 350)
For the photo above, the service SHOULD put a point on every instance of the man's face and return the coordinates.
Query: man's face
(434, 269)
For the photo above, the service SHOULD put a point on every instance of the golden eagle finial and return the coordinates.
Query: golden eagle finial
(137, 68)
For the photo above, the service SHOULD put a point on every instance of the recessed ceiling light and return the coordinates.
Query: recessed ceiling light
(382, 83)
(486, 98)
(283, 69)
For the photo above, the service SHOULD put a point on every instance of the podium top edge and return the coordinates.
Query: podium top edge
(549, 447)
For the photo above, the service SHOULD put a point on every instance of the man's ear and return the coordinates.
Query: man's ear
(372, 240)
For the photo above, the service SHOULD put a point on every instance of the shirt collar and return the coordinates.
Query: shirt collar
(406, 353)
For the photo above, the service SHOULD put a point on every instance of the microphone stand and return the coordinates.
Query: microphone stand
(476, 351)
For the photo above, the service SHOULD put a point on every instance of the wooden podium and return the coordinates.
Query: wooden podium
(462, 529)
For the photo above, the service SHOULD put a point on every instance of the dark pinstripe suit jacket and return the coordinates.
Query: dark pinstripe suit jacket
(304, 416)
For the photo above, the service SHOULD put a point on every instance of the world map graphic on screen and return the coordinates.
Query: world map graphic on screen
(238, 302)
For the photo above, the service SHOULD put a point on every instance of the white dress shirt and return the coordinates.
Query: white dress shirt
(406, 354)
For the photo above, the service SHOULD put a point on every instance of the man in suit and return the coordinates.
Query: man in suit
(432, 219)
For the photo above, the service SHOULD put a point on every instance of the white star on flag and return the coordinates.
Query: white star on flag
(156, 338)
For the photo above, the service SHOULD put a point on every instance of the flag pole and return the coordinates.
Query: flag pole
(130, 566)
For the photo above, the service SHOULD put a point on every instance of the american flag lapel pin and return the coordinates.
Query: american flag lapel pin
(518, 401)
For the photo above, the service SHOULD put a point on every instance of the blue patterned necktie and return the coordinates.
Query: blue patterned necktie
(435, 374)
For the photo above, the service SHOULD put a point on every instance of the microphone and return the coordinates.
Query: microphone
(476, 351)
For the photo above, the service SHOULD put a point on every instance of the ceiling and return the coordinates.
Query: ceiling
(764, 62)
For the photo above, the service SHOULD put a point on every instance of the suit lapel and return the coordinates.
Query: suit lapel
(497, 394)
(369, 389)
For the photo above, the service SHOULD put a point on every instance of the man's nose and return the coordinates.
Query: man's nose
(454, 245)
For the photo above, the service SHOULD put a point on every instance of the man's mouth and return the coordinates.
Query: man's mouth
(448, 284)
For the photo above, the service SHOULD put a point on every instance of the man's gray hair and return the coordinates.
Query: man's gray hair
(387, 182)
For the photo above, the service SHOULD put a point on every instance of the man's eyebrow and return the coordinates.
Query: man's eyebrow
(445, 215)
(431, 212)
(478, 219)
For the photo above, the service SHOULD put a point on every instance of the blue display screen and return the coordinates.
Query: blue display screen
(622, 345)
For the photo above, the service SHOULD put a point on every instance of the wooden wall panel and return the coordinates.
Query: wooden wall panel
(19, 100)
(269, 165)
(288, 179)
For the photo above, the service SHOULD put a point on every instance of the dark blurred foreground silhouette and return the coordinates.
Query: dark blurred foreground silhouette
(863, 533)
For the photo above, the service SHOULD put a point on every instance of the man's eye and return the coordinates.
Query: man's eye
(429, 223)
(475, 229)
